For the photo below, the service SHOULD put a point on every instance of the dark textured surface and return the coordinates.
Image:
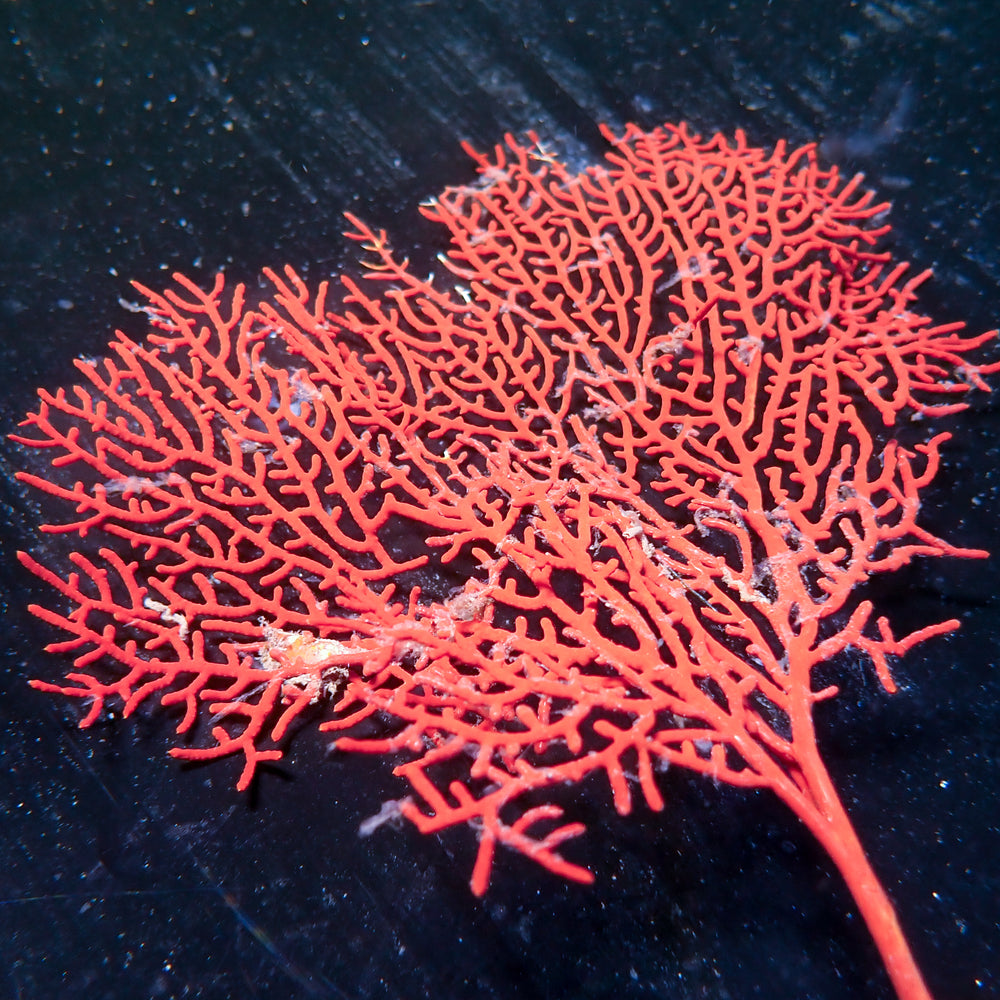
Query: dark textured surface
(140, 138)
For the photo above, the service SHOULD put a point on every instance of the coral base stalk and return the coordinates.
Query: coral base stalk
(834, 830)
(838, 838)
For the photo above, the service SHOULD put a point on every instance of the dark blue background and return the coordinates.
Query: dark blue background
(139, 138)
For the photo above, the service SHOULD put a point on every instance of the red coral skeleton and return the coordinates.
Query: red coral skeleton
(596, 498)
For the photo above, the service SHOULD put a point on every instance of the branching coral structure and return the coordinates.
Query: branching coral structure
(596, 497)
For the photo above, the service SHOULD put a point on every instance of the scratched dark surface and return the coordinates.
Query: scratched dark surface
(139, 138)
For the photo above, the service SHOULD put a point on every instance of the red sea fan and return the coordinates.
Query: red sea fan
(598, 497)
